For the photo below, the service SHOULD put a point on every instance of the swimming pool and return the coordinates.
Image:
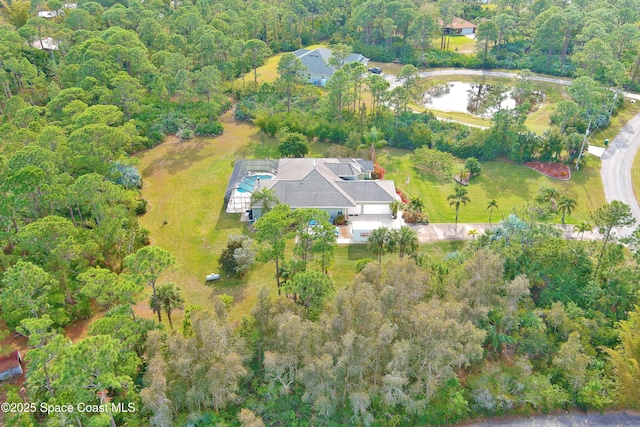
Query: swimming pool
(249, 182)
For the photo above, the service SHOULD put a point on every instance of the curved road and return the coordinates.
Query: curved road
(617, 158)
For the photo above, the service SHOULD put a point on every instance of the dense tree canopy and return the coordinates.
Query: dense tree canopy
(518, 319)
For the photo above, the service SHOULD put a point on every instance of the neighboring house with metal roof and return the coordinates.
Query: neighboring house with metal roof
(47, 43)
(337, 186)
(10, 366)
(59, 12)
(459, 26)
(317, 62)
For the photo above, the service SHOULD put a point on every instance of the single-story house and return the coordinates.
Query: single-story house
(337, 186)
(47, 43)
(459, 26)
(317, 62)
(59, 12)
(11, 366)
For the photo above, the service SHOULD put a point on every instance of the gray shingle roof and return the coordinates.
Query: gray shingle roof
(317, 183)
(368, 191)
(317, 60)
(313, 191)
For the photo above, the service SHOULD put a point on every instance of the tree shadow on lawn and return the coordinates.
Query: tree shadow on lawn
(228, 221)
(358, 251)
(180, 157)
(233, 286)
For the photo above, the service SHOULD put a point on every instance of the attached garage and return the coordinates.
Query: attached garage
(376, 210)
(355, 210)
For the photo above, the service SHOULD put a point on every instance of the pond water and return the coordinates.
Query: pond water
(462, 97)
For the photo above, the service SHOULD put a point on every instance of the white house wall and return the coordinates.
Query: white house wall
(376, 210)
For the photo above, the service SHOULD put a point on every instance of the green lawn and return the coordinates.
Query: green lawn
(618, 120)
(458, 43)
(510, 184)
(269, 71)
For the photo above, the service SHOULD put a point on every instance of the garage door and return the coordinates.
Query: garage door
(376, 209)
(354, 211)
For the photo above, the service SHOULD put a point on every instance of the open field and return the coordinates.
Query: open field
(510, 184)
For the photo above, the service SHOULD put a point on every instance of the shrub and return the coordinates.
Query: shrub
(472, 165)
(433, 162)
(403, 196)
(238, 256)
(209, 129)
(340, 220)
(414, 217)
(141, 207)
(378, 171)
(293, 144)
(362, 263)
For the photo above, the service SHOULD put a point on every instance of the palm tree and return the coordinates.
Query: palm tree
(498, 329)
(416, 204)
(407, 241)
(566, 206)
(491, 205)
(374, 139)
(395, 207)
(168, 298)
(582, 227)
(379, 242)
(459, 198)
(473, 232)
(265, 197)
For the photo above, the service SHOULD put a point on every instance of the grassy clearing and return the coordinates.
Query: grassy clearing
(510, 184)
(454, 116)
(269, 71)
(460, 44)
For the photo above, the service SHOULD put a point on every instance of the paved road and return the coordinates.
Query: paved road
(616, 167)
(615, 419)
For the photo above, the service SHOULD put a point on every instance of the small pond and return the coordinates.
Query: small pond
(469, 98)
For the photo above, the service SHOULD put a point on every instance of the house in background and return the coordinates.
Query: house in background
(337, 186)
(59, 12)
(47, 43)
(317, 62)
(11, 366)
(459, 27)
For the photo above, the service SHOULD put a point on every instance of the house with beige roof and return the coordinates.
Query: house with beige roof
(459, 26)
(337, 186)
